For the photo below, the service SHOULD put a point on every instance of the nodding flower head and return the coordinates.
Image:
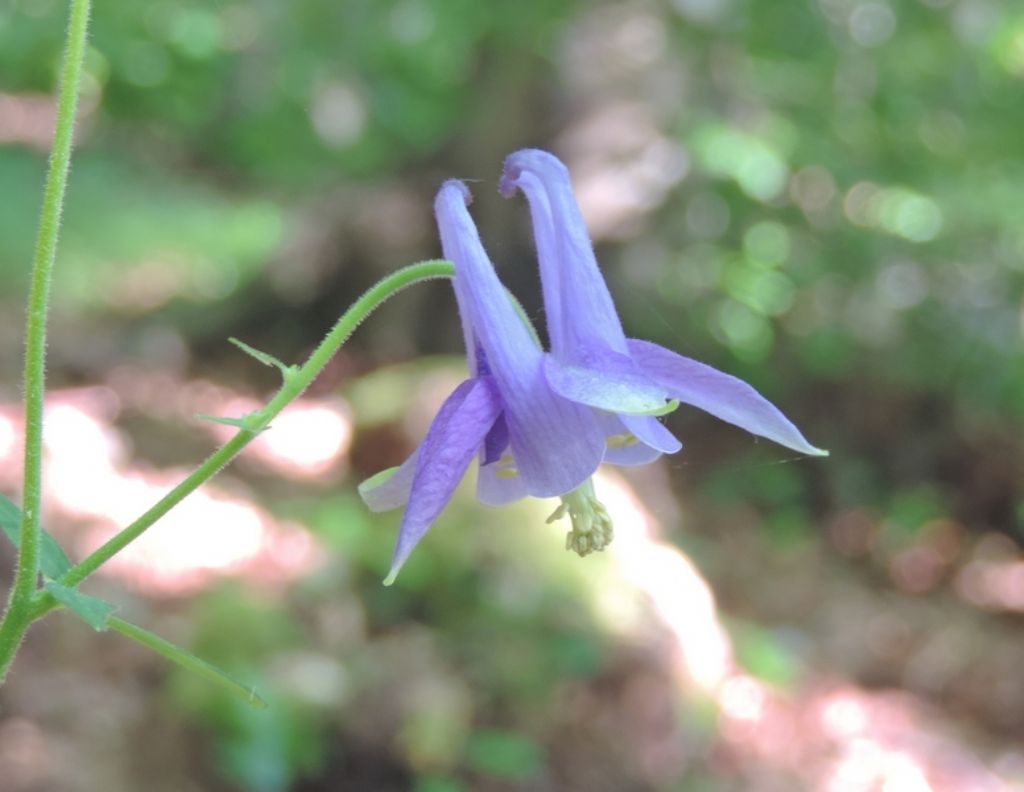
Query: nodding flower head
(539, 423)
(529, 440)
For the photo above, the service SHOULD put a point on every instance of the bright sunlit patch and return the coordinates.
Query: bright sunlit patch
(838, 738)
(995, 585)
(308, 439)
(743, 698)
(679, 595)
(211, 532)
(843, 715)
(206, 535)
(8, 438)
(868, 766)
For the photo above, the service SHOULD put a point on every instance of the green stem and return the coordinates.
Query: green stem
(186, 660)
(296, 381)
(17, 616)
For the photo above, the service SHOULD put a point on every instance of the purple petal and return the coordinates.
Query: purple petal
(608, 381)
(547, 253)
(496, 442)
(650, 431)
(390, 488)
(581, 313)
(720, 394)
(496, 484)
(623, 447)
(451, 443)
(556, 443)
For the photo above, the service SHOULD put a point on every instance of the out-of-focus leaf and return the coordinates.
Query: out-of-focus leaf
(180, 656)
(504, 754)
(52, 559)
(438, 784)
(94, 611)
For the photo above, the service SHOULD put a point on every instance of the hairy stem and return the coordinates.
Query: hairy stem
(295, 382)
(18, 613)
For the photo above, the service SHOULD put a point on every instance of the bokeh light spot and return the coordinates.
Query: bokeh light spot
(767, 242)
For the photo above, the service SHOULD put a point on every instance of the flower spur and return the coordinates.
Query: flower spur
(592, 362)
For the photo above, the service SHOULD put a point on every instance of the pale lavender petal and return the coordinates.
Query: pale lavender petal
(483, 301)
(497, 486)
(650, 431)
(720, 394)
(451, 443)
(581, 313)
(608, 381)
(556, 443)
(623, 447)
(390, 488)
(548, 255)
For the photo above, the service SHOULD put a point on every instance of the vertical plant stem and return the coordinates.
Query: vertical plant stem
(17, 615)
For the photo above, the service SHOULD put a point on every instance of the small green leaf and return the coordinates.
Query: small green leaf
(263, 357)
(93, 610)
(240, 423)
(53, 561)
(187, 660)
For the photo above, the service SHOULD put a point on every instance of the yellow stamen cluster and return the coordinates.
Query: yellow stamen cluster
(592, 528)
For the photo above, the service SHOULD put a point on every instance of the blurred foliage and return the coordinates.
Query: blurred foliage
(124, 255)
(821, 197)
(301, 94)
(419, 669)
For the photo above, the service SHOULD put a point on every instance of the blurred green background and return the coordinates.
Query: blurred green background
(823, 197)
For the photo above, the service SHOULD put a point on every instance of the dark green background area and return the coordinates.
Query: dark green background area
(823, 198)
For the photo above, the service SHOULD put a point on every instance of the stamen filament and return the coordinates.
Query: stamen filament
(592, 528)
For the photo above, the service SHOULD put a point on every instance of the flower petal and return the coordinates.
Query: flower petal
(390, 488)
(496, 442)
(608, 381)
(650, 431)
(498, 485)
(580, 310)
(547, 251)
(556, 443)
(452, 441)
(720, 394)
(624, 447)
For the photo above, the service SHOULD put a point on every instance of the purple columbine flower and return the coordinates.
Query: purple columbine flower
(540, 422)
(530, 440)
(592, 362)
